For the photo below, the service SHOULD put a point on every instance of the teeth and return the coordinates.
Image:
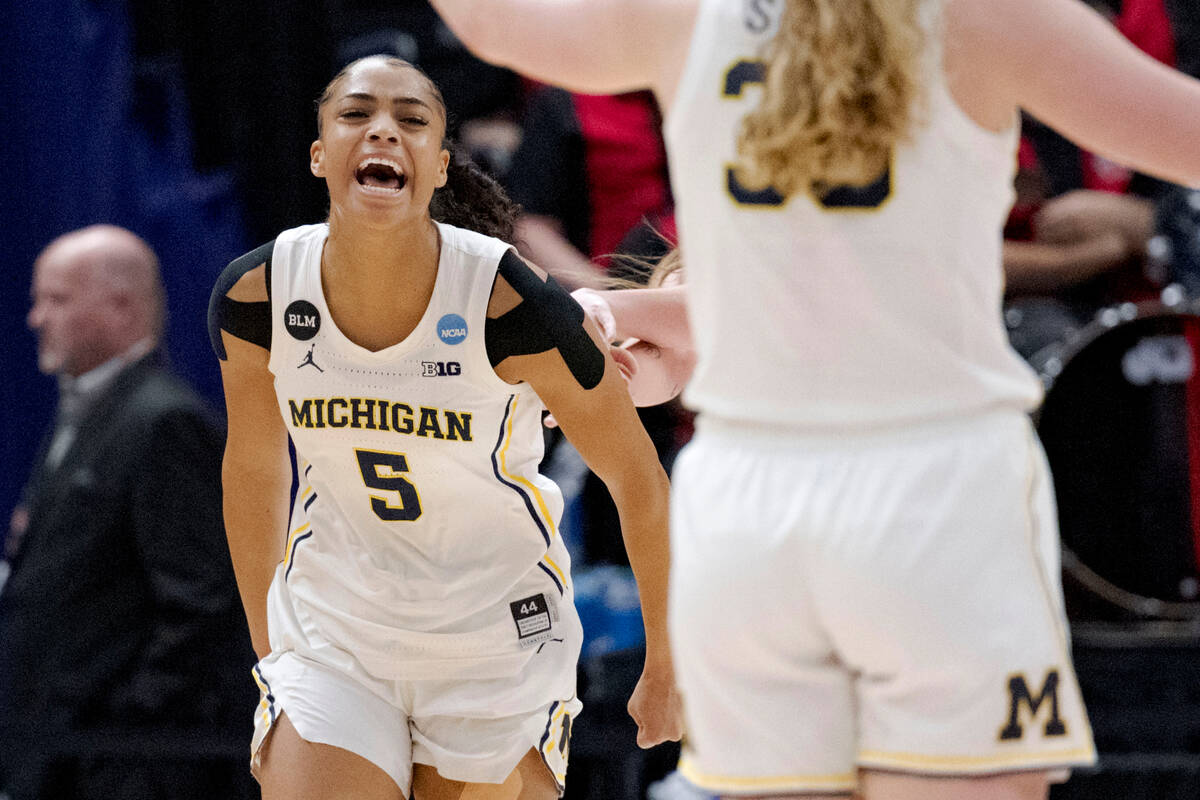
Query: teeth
(384, 162)
(392, 167)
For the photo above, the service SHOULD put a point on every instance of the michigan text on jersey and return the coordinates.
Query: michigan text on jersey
(367, 413)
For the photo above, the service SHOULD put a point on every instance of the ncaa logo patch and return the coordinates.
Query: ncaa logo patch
(452, 329)
(302, 320)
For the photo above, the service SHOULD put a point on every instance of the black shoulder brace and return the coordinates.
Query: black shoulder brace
(250, 322)
(547, 318)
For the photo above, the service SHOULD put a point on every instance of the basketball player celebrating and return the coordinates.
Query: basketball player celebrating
(418, 631)
(864, 593)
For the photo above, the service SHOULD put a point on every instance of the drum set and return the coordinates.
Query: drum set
(1121, 428)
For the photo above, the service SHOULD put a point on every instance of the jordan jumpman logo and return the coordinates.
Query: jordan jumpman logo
(308, 360)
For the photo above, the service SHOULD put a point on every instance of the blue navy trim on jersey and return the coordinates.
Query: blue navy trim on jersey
(554, 578)
(292, 557)
(546, 733)
(307, 470)
(496, 471)
(310, 501)
(271, 698)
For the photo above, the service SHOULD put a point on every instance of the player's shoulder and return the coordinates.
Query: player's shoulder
(240, 303)
(517, 281)
(530, 314)
(472, 243)
(236, 270)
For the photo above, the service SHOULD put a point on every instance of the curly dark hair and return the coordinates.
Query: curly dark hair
(474, 200)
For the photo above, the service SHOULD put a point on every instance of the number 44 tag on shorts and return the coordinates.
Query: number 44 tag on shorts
(534, 617)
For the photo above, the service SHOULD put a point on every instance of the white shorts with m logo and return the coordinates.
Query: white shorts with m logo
(885, 600)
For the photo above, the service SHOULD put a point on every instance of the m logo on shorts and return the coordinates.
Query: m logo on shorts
(1019, 695)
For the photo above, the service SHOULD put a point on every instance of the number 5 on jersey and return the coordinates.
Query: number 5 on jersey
(383, 471)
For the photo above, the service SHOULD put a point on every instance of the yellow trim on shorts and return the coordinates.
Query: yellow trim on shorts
(1049, 759)
(722, 783)
(263, 706)
(547, 517)
(552, 743)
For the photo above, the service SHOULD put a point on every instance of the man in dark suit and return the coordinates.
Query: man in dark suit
(124, 657)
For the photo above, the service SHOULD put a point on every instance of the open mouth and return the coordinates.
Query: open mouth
(380, 175)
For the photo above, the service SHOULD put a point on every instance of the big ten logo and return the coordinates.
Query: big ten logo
(1159, 359)
(1045, 702)
(440, 369)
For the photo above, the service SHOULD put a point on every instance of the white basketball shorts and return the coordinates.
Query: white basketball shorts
(469, 730)
(884, 600)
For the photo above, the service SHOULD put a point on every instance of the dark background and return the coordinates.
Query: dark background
(189, 123)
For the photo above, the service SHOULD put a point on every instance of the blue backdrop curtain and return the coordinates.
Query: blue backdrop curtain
(92, 136)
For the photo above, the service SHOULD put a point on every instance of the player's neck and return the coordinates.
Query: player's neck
(358, 256)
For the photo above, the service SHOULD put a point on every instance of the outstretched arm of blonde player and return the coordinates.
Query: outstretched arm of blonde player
(658, 356)
(256, 473)
(653, 315)
(1071, 69)
(596, 414)
(595, 46)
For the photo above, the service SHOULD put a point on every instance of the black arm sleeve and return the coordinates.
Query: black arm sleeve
(250, 322)
(547, 318)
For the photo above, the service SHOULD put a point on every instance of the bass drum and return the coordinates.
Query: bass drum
(1121, 429)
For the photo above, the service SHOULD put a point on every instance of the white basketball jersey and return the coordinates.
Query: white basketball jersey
(867, 306)
(423, 542)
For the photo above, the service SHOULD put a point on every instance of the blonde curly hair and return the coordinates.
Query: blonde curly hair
(841, 85)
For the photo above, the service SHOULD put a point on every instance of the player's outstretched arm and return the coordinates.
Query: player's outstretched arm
(255, 471)
(563, 357)
(585, 45)
(1072, 70)
(654, 315)
(654, 322)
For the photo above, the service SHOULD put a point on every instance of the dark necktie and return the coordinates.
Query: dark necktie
(66, 424)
